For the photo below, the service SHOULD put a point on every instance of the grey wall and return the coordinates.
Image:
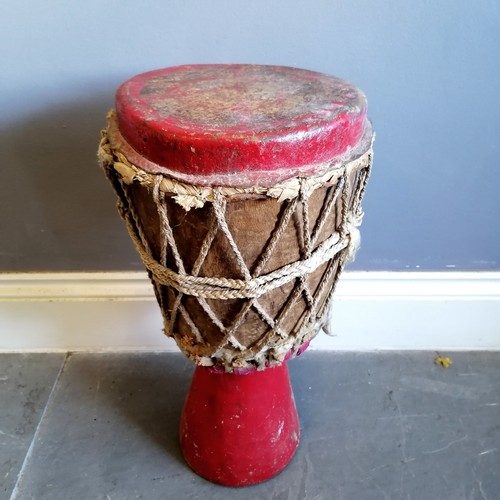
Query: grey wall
(430, 70)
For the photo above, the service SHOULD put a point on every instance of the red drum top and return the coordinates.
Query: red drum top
(239, 124)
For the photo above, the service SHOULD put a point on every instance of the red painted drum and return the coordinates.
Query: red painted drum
(241, 188)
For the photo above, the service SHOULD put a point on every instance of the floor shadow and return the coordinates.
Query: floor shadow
(147, 390)
(58, 211)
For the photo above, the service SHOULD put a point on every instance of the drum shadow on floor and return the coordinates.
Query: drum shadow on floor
(140, 399)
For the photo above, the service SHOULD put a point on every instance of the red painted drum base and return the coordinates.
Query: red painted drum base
(239, 429)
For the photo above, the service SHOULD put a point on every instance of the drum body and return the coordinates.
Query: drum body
(241, 189)
(284, 246)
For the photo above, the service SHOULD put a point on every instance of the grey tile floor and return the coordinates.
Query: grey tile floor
(374, 426)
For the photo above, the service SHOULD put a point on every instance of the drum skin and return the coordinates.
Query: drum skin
(239, 124)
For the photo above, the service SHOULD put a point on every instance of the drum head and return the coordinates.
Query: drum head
(239, 124)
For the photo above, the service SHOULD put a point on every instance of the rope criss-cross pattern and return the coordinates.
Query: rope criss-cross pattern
(272, 347)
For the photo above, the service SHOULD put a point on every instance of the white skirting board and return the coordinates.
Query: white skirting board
(371, 311)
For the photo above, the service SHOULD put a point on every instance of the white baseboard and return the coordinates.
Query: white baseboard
(372, 310)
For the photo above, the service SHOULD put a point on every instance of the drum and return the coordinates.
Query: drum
(241, 188)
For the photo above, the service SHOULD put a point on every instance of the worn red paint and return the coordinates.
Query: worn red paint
(233, 120)
(239, 430)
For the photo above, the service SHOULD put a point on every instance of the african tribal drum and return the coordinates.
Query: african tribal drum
(241, 189)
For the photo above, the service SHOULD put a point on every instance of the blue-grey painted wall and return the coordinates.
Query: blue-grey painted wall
(430, 69)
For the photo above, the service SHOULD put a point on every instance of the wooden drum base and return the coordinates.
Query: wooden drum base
(239, 429)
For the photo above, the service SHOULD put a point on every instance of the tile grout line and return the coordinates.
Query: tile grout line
(15, 490)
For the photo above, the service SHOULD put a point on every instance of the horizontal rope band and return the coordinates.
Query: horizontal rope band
(228, 288)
